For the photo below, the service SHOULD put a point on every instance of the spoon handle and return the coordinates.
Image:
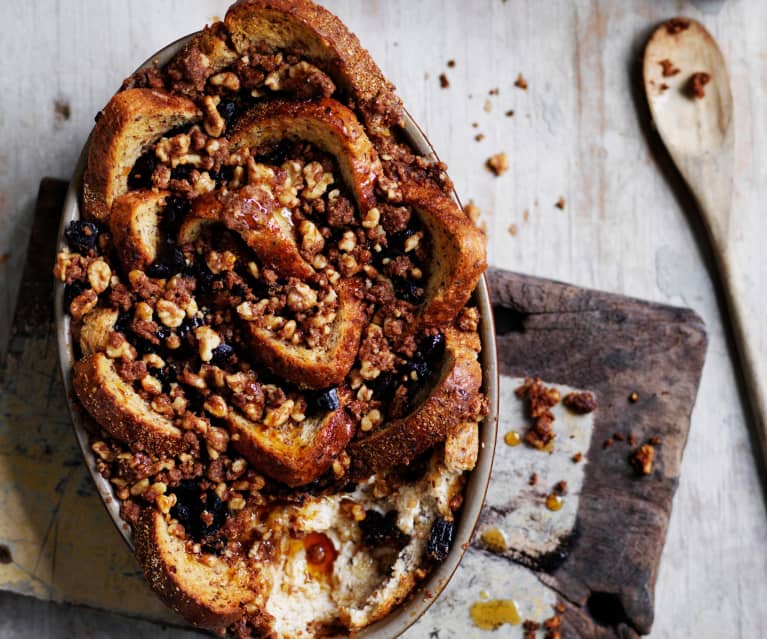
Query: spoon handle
(713, 197)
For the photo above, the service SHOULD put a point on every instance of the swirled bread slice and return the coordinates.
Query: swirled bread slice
(452, 399)
(323, 39)
(457, 257)
(294, 453)
(120, 410)
(135, 228)
(212, 594)
(258, 218)
(93, 334)
(327, 124)
(322, 366)
(131, 121)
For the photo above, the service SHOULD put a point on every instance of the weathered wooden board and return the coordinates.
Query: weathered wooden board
(599, 555)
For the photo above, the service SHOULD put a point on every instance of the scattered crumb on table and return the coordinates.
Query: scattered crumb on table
(498, 163)
(443, 81)
(520, 82)
(560, 203)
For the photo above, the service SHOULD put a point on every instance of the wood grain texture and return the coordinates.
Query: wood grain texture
(575, 133)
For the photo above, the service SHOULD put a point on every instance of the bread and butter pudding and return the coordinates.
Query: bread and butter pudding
(270, 295)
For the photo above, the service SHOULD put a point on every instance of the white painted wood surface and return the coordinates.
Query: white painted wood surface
(575, 134)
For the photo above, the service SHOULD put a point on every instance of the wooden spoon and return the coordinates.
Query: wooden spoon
(699, 135)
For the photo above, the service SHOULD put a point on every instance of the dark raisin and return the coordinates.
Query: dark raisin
(164, 375)
(188, 325)
(71, 291)
(181, 172)
(418, 366)
(384, 385)
(407, 290)
(163, 332)
(223, 175)
(181, 512)
(221, 354)
(81, 236)
(397, 240)
(440, 539)
(176, 209)
(122, 325)
(432, 347)
(227, 109)
(323, 400)
(281, 152)
(140, 176)
(382, 530)
(191, 503)
(158, 270)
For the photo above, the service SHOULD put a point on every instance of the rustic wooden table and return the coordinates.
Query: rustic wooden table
(578, 132)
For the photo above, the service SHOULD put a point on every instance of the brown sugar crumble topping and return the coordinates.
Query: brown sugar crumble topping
(498, 164)
(443, 81)
(676, 25)
(697, 84)
(581, 403)
(540, 400)
(577, 458)
(669, 70)
(642, 459)
(520, 82)
(560, 203)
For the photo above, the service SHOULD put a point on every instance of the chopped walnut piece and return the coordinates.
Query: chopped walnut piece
(581, 403)
(472, 211)
(697, 84)
(520, 82)
(642, 459)
(498, 163)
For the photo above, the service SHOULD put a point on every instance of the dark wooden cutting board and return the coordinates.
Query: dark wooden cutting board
(603, 571)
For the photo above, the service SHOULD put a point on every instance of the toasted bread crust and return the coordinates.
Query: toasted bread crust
(292, 463)
(211, 595)
(134, 224)
(451, 401)
(325, 41)
(130, 121)
(458, 254)
(259, 220)
(121, 411)
(315, 367)
(325, 123)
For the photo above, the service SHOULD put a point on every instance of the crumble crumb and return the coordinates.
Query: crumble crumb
(540, 399)
(512, 229)
(533, 479)
(577, 458)
(510, 113)
(631, 440)
(494, 91)
(443, 81)
(581, 403)
(451, 63)
(472, 211)
(675, 25)
(655, 441)
(634, 397)
(607, 443)
(697, 84)
(526, 215)
(561, 487)
(479, 137)
(488, 106)
(560, 203)
(669, 70)
(642, 459)
(663, 87)
(475, 125)
(520, 82)
(498, 163)
(618, 437)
